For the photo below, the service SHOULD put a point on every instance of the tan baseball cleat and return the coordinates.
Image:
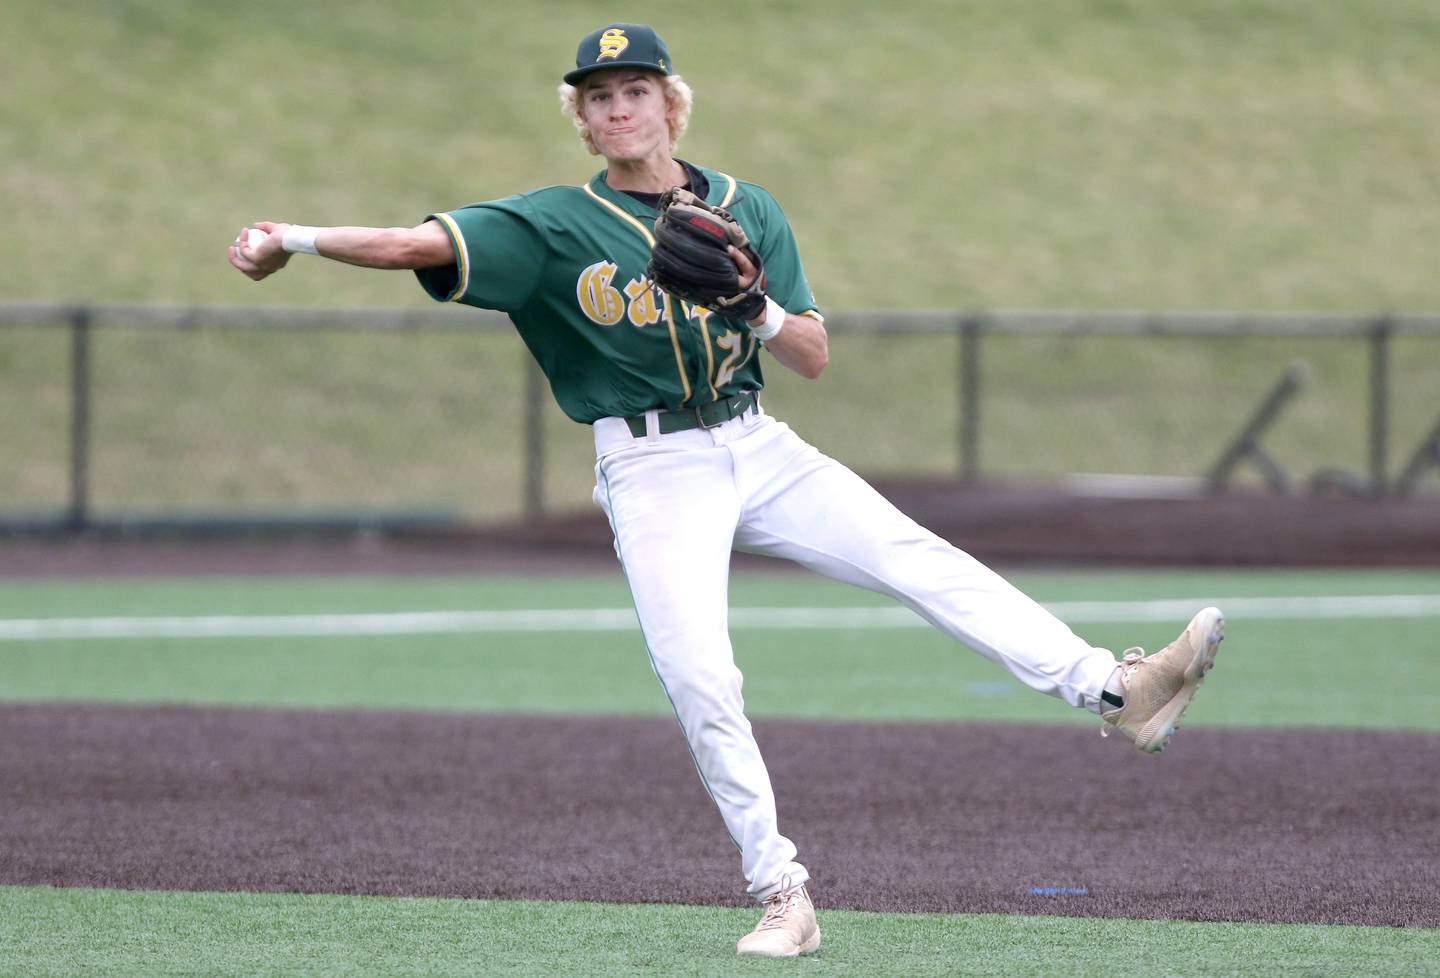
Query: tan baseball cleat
(1159, 687)
(788, 927)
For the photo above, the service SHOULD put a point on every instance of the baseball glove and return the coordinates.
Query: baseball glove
(690, 260)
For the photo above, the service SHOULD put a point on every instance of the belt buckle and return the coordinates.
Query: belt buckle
(731, 413)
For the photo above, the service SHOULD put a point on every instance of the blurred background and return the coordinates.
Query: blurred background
(1103, 246)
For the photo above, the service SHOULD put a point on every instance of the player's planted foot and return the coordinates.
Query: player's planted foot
(788, 927)
(1158, 688)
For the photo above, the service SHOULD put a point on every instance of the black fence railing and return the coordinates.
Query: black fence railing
(1242, 443)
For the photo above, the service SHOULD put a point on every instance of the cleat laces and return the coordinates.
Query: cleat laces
(776, 909)
(1129, 663)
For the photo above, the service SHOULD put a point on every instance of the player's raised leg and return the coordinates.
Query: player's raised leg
(818, 513)
(812, 510)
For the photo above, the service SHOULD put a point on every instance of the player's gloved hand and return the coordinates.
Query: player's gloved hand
(691, 257)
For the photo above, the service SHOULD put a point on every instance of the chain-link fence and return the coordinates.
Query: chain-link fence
(137, 416)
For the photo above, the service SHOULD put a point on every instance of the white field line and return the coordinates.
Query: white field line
(623, 619)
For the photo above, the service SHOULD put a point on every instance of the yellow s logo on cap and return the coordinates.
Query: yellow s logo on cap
(612, 42)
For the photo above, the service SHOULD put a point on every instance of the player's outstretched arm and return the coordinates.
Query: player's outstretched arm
(259, 256)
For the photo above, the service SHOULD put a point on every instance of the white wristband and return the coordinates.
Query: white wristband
(774, 320)
(300, 238)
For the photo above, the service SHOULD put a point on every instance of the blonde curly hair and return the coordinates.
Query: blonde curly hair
(678, 102)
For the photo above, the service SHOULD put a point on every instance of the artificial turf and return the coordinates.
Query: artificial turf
(1300, 670)
(66, 933)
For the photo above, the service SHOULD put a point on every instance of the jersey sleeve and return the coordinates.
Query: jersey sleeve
(498, 256)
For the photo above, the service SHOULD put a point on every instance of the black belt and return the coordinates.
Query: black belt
(704, 416)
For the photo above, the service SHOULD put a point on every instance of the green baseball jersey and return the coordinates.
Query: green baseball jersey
(568, 265)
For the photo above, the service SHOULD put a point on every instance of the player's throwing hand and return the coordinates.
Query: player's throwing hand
(256, 250)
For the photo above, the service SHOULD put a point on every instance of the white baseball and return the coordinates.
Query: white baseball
(253, 237)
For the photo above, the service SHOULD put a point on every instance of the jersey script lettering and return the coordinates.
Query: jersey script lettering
(639, 301)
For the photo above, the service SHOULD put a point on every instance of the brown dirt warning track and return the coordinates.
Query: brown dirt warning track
(1287, 826)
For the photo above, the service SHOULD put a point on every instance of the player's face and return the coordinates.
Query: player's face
(627, 115)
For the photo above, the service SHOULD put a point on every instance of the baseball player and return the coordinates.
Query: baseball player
(651, 296)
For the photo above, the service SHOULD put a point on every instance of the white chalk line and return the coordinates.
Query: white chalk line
(623, 619)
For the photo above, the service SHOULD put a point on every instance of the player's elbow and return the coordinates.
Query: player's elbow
(802, 346)
(815, 364)
(819, 353)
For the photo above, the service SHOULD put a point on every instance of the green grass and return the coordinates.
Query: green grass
(1363, 673)
(66, 933)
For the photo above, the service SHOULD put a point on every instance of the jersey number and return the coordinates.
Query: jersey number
(733, 344)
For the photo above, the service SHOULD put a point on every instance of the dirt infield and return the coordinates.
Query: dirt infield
(1296, 826)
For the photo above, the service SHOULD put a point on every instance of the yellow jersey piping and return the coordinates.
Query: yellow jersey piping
(618, 212)
(462, 256)
(669, 314)
(704, 329)
(729, 190)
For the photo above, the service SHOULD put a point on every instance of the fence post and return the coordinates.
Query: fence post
(78, 517)
(969, 389)
(1379, 403)
(534, 440)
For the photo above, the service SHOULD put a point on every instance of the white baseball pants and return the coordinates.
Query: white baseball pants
(679, 503)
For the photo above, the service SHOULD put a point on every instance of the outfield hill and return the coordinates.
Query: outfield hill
(1252, 154)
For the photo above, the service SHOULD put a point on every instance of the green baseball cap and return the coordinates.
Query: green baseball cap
(620, 46)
